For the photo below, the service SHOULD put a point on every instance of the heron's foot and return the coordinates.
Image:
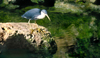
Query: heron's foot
(40, 30)
(31, 31)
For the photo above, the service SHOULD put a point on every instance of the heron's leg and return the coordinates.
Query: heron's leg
(35, 22)
(29, 23)
(31, 30)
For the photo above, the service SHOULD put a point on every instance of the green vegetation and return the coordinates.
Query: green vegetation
(59, 26)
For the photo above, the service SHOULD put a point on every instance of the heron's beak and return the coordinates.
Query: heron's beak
(48, 17)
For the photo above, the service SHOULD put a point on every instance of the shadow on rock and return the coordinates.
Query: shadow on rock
(17, 46)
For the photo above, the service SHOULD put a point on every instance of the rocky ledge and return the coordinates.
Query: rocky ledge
(18, 37)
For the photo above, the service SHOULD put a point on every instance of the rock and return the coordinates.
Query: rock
(20, 36)
(1, 37)
(67, 7)
(67, 43)
(92, 1)
(20, 28)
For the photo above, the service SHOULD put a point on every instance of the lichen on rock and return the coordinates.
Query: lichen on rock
(19, 36)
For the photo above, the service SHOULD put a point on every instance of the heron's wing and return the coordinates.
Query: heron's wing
(31, 14)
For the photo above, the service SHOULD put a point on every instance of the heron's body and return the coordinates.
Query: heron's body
(34, 14)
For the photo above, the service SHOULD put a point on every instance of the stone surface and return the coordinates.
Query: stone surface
(67, 43)
(77, 8)
(22, 36)
(67, 7)
(20, 28)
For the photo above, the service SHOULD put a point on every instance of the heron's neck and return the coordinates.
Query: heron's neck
(41, 16)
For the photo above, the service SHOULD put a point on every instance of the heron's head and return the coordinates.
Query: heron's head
(45, 12)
